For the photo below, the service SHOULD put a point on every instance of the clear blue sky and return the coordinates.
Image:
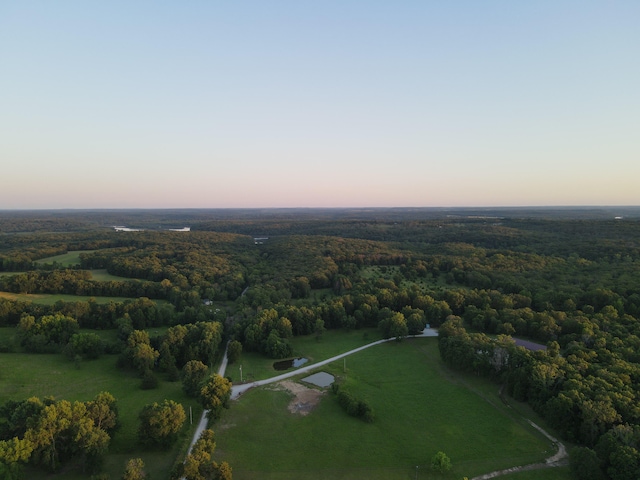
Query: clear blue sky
(119, 104)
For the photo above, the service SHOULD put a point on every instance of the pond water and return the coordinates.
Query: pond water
(320, 379)
(291, 363)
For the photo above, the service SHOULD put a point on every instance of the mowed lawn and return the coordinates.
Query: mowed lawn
(420, 407)
(26, 375)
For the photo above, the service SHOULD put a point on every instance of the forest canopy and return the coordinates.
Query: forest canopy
(567, 279)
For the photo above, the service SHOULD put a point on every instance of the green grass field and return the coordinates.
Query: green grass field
(420, 407)
(103, 276)
(66, 259)
(25, 375)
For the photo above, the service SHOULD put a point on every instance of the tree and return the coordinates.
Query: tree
(134, 470)
(215, 395)
(441, 462)
(193, 374)
(140, 352)
(87, 345)
(12, 453)
(160, 423)
(104, 412)
(585, 464)
(234, 350)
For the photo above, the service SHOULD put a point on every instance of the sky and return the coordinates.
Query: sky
(333, 103)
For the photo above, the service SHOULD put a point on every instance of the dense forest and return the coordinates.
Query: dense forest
(565, 278)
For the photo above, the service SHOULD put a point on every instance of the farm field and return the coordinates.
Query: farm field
(420, 409)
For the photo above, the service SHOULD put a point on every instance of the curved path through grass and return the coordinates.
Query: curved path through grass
(559, 459)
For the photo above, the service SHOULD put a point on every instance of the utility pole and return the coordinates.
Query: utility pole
(240, 373)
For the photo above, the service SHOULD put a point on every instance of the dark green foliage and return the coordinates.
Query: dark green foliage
(585, 464)
(354, 407)
(149, 380)
(193, 376)
(441, 462)
(47, 333)
(234, 350)
(87, 345)
(50, 433)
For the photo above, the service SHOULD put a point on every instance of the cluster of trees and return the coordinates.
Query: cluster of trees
(212, 391)
(48, 433)
(142, 312)
(214, 265)
(191, 347)
(79, 282)
(46, 334)
(397, 312)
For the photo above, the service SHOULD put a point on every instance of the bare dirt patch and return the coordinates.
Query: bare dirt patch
(304, 399)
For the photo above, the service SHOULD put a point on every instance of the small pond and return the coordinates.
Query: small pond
(291, 363)
(320, 379)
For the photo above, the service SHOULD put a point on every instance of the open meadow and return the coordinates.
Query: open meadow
(68, 259)
(420, 408)
(26, 375)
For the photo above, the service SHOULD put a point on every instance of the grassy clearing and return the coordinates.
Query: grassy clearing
(50, 299)
(332, 342)
(419, 411)
(101, 275)
(66, 259)
(25, 375)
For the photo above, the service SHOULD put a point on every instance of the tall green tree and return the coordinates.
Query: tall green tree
(215, 395)
(134, 470)
(193, 374)
(160, 423)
